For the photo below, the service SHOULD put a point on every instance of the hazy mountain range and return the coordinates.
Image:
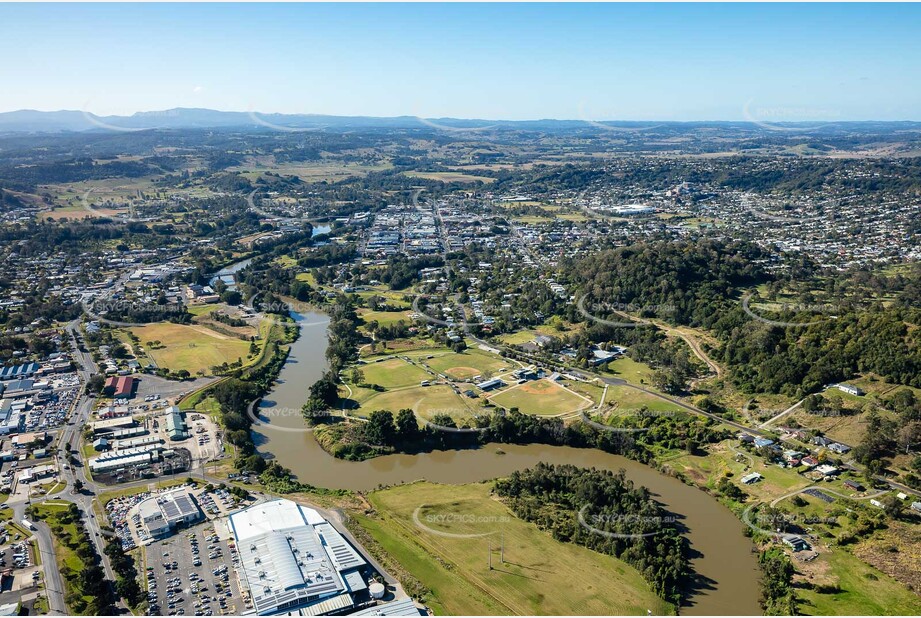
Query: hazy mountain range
(191, 118)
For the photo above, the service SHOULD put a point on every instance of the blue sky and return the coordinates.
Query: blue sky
(635, 62)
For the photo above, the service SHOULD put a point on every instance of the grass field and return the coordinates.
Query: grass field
(540, 575)
(863, 590)
(192, 348)
(385, 318)
(65, 556)
(630, 370)
(467, 364)
(450, 177)
(542, 397)
(426, 401)
(394, 373)
(629, 399)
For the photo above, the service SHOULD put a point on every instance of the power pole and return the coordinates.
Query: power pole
(490, 555)
(502, 548)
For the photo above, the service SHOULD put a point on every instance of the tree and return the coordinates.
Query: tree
(380, 428)
(325, 390)
(95, 384)
(893, 506)
(909, 435)
(407, 428)
(873, 468)
(232, 297)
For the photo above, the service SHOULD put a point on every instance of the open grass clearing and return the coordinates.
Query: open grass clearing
(450, 177)
(630, 370)
(864, 590)
(631, 399)
(535, 571)
(385, 318)
(193, 348)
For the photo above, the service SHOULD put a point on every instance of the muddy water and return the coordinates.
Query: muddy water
(726, 570)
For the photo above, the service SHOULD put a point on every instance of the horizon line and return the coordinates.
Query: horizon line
(754, 121)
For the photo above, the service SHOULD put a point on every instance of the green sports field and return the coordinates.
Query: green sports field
(467, 364)
(426, 401)
(541, 397)
(394, 373)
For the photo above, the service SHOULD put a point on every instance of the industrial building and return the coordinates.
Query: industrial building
(18, 372)
(124, 458)
(110, 425)
(293, 561)
(12, 416)
(176, 427)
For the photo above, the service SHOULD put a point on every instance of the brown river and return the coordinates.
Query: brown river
(722, 559)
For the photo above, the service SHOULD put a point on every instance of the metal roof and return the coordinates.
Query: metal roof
(401, 607)
(289, 555)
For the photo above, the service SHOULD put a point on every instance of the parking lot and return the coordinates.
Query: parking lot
(190, 574)
(50, 407)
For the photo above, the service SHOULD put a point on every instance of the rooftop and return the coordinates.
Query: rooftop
(290, 556)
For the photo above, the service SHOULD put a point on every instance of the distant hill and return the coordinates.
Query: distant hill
(190, 118)
(195, 118)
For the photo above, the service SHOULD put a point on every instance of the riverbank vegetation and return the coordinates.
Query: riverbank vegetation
(638, 437)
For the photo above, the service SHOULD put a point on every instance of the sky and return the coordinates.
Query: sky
(678, 62)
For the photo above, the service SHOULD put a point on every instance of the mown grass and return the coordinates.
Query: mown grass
(394, 373)
(541, 397)
(540, 576)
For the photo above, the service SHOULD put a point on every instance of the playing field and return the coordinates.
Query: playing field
(394, 373)
(192, 348)
(426, 401)
(542, 397)
(467, 364)
(534, 574)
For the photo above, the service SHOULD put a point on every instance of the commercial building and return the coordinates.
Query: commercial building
(120, 387)
(161, 514)
(294, 561)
